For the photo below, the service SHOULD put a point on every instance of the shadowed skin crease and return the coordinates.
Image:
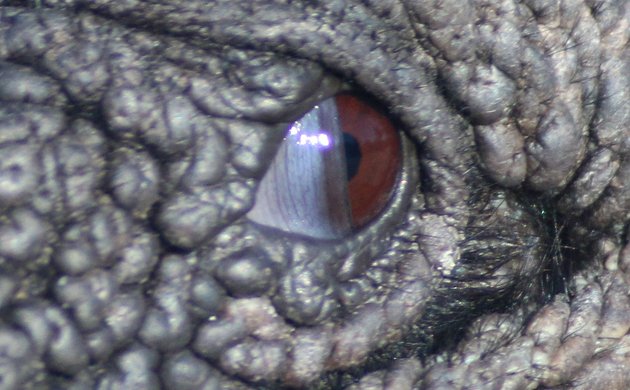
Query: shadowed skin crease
(133, 137)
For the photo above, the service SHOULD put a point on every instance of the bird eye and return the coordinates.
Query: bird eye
(334, 172)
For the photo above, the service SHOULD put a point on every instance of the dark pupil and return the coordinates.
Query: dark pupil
(353, 155)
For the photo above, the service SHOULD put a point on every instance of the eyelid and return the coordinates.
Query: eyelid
(375, 231)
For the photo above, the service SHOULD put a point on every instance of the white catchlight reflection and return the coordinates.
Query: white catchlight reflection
(320, 139)
(295, 128)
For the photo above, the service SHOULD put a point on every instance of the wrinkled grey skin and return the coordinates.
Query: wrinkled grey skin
(133, 136)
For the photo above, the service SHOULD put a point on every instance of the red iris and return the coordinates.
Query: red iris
(371, 187)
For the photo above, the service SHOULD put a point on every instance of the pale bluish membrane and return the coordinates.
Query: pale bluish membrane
(305, 190)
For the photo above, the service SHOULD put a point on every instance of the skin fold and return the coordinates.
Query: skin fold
(133, 136)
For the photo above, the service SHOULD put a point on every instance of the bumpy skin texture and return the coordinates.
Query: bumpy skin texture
(133, 135)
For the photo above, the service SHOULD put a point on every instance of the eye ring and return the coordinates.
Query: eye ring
(338, 169)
